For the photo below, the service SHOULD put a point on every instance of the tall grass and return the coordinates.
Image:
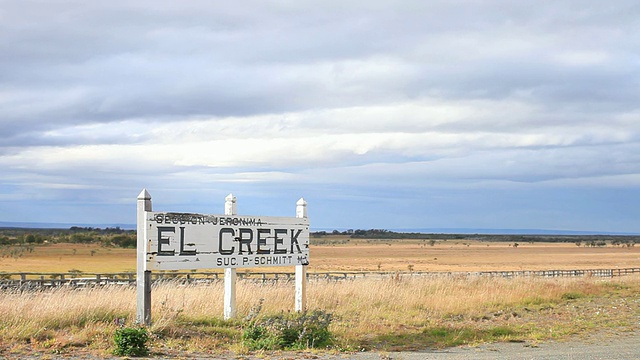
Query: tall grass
(388, 306)
(62, 315)
(363, 309)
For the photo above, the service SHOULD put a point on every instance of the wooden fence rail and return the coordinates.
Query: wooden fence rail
(39, 280)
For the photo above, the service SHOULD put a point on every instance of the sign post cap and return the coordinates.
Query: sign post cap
(144, 195)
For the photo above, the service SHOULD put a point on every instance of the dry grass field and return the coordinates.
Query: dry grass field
(361, 255)
(384, 314)
(374, 313)
(469, 255)
(58, 258)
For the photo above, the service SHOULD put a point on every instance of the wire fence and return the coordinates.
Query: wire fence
(26, 280)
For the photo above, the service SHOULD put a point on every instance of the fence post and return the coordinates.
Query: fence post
(301, 270)
(230, 208)
(143, 276)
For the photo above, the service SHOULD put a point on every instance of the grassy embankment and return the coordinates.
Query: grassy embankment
(387, 314)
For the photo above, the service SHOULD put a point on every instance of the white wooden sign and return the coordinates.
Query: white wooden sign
(186, 241)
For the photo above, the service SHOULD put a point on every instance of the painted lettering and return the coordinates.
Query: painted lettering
(245, 237)
(226, 261)
(272, 260)
(165, 240)
(184, 252)
(294, 240)
(220, 241)
(180, 218)
(262, 241)
(279, 241)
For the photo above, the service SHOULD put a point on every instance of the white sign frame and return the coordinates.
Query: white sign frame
(187, 241)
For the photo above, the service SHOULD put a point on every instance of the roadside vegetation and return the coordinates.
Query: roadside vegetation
(403, 312)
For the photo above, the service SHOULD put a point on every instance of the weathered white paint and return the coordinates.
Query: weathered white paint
(301, 208)
(301, 269)
(230, 277)
(180, 241)
(143, 276)
(230, 205)
(168, 241)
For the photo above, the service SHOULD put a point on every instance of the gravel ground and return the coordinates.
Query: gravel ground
(627, 347)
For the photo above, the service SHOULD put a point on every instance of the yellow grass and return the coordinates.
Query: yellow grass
(364, 309)
(371, 312)
(57, 258)
(467, 255)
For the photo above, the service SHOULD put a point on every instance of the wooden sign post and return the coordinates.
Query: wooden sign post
(230, 277)
(143, 276)
(189, 241)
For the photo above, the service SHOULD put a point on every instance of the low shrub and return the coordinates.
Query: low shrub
(131, 341)
(289, 331)
(572, 295)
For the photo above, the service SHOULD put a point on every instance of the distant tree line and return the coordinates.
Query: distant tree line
(77, 235)
(127, 238)
(381, 234)
(586, 240)
(105, 231)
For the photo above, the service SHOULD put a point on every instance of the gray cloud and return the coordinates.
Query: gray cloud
(293, 96)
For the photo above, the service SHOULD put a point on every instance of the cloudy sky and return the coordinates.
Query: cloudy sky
(381, 114)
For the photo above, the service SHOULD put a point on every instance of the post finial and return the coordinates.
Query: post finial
(301, 208)
(144, 195)
(230, 205)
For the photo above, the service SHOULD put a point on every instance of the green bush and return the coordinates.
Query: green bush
(572, 295)
(289, 331)
(131, 341)
(125, 241)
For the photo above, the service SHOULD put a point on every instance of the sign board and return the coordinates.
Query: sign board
(187, 241)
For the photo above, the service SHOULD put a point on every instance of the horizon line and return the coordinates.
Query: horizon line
(445, 230)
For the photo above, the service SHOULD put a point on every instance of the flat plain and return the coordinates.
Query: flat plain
(361, 255)
(469, 255)
(378, 313)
